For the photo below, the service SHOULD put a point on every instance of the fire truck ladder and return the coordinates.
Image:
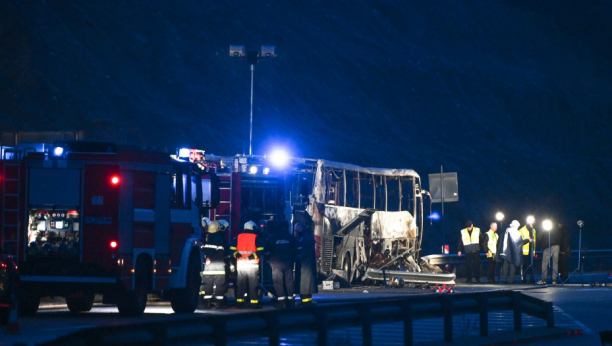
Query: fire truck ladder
(11, 186)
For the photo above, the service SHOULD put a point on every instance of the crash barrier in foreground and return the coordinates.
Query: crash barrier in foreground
(216, 329)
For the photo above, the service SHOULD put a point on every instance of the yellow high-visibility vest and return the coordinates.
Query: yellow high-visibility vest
(492, 243)
(525, 235)
(470, 243)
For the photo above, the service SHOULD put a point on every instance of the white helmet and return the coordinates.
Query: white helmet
(224, 225)
(250, 225)
(515, 224)
(205, 221)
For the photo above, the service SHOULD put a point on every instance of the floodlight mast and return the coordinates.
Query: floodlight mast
(252, 57)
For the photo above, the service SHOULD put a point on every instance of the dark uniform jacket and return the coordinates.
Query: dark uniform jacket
(217, 251)
(282, 249)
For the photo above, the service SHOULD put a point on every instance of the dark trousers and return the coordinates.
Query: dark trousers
(472, 265)
(210, 281)
(491, 269)
(526, 270)
(283, 281)
(247, 281)
(563, 269)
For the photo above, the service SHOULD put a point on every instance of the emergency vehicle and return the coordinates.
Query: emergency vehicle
(83, 218)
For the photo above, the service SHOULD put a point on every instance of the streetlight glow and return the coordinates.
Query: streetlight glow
(499, 216)
(530, 219)
(547, 225)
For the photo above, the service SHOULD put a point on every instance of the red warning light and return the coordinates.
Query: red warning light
(115, 180)
(113, 244)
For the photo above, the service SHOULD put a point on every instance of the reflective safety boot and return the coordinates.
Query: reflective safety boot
(220, 304)
(282, 304)
(205, 303)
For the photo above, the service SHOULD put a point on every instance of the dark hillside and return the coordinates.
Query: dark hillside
(516, 96)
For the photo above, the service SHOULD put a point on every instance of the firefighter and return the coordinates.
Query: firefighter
(470, 241)
(281, 248)
(217, 253)
(490, 240)
(248, 247)
(305, 267)
(528, 232)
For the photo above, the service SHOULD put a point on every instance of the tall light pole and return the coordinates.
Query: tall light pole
(252, 57)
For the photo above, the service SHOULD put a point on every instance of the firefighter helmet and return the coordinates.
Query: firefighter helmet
(205, 221)
(224, 225)
(250, 226)
(214, 227)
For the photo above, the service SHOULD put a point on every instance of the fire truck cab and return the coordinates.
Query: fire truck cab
(84, 218)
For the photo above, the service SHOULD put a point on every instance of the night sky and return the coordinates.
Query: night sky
(514, 96)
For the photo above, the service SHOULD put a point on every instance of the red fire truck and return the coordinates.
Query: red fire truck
(84, 218)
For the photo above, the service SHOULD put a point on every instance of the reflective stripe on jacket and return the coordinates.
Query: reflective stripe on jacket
(471, 243)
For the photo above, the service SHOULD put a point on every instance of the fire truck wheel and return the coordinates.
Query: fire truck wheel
(185, 301)
(29, 300)
(134, 302)
(80, 303)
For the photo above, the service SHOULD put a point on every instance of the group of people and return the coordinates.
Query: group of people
(514, 249)
(281, 249)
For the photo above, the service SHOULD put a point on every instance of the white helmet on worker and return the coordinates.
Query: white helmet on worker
(215, 227)
(205, 221)
(250, 226)
(224, 225)
(515, 224)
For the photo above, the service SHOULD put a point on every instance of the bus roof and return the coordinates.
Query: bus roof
(390, 172)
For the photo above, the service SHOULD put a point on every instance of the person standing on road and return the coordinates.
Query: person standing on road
(471, 240)
(528, 232)
(248, 247)
(490, 240)
(565, 252)
(217, 252)
(513, 251)
(306, 265)
(281, 248)
(550, 252)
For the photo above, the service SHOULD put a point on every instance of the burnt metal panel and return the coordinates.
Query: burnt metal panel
(162, 213)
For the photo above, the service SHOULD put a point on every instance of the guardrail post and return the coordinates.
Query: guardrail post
(366, 324)
(518, 313)
(550, 315)
(408, 326)
(484, 314)
(447, 307)
(321, 317)
(220, 331)
(273, 330)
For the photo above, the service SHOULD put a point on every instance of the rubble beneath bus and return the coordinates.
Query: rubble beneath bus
(368, 225)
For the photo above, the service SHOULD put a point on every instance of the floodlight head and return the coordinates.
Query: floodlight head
(279, 158)
(530, 219)
(499, 216)
(268, 52)
(580, 223)
(547, 225)
(58, 151)
(253, 169)
(237, 51)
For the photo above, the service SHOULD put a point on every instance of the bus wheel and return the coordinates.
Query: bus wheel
(346, 266)
(29, 300)
(185, 300)
(81, 302)
(134, 302)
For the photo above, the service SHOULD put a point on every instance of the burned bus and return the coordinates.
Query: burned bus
(368, 222)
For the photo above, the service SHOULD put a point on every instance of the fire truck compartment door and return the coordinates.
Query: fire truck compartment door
(162, 213)
(56, 187)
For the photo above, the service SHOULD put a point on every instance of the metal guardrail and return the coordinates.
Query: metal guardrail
(588, 255)
(321, 318)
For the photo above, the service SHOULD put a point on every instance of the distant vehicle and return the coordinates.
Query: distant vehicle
(84, 218)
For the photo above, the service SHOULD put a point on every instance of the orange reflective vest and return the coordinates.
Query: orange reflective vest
(246, 246)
